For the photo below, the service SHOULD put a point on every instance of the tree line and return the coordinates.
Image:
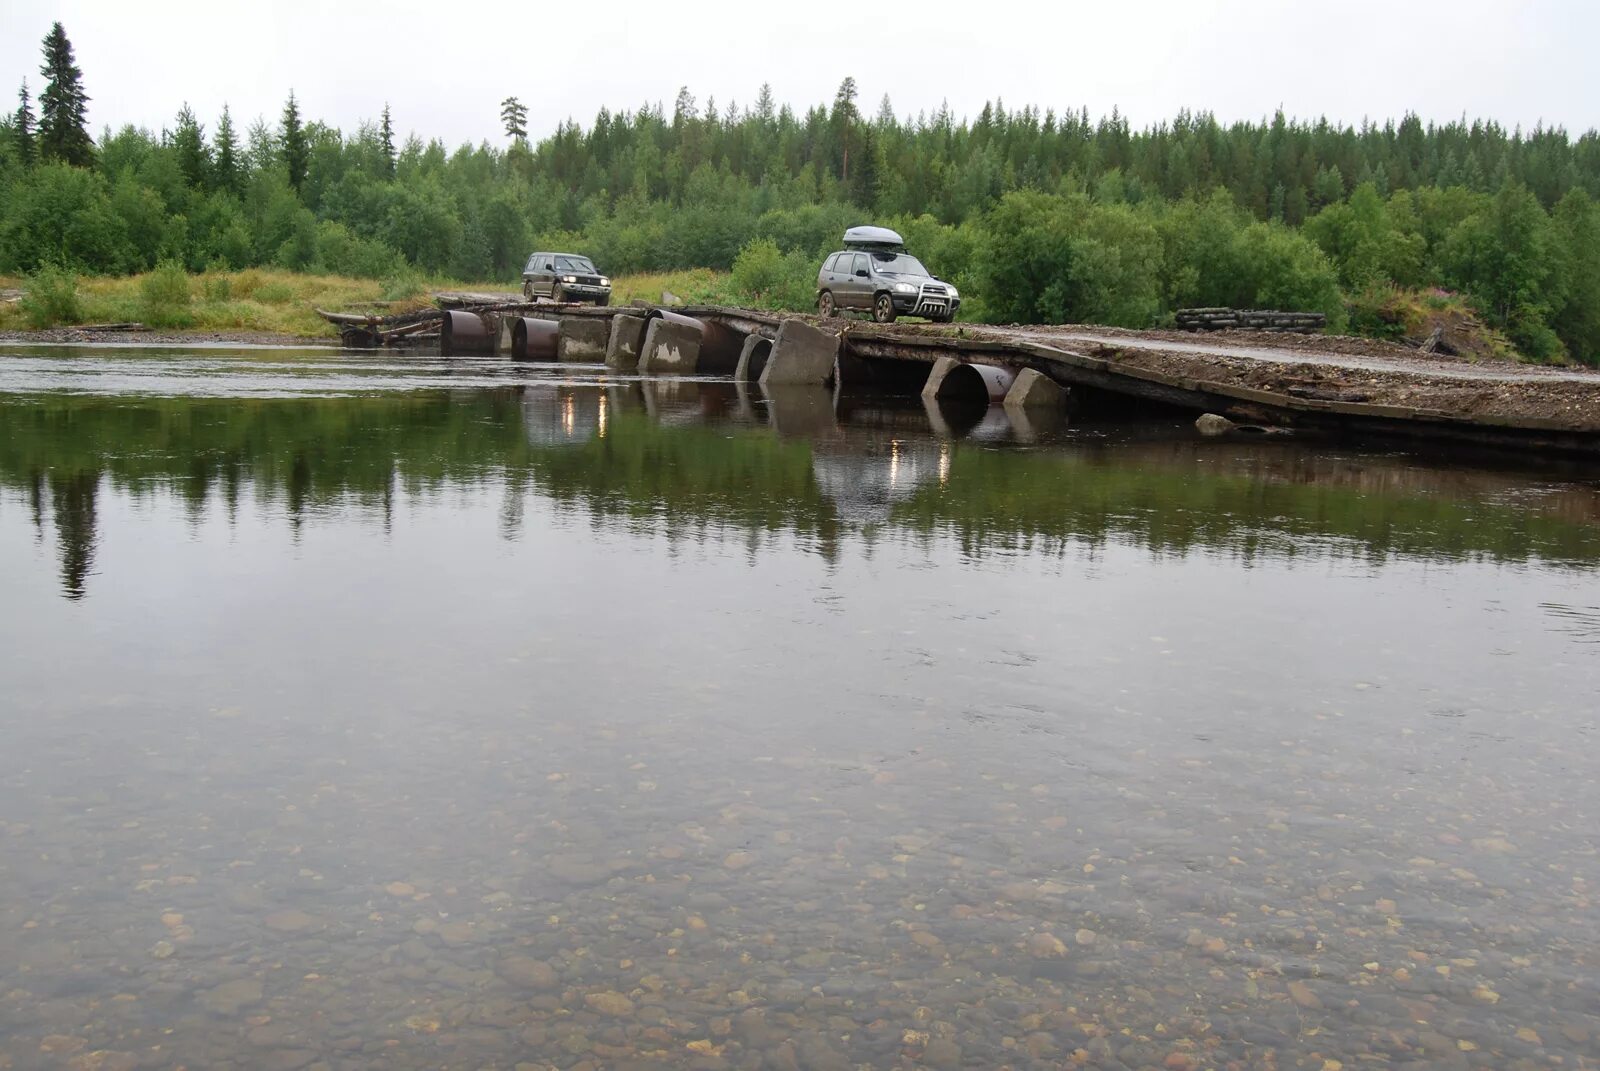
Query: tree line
(1035, 214)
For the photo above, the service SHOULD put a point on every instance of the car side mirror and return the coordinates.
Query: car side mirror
(862, 272)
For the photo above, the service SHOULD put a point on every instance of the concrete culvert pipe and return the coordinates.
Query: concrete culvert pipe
(753, 359)
(533, 339)
(952, 381)
(465, 332)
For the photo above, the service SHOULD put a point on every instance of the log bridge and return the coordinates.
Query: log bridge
(1045, 368)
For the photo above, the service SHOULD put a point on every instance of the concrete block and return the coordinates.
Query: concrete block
(1033, 389)
(583, 340)
(669, 349)
(802, 354)
(627, 335)
(937, 375)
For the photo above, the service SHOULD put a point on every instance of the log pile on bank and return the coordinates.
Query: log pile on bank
(1303, 323)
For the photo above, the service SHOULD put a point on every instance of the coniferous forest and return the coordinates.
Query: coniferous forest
(1037, 214)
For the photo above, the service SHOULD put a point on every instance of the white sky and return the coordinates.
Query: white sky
(1518, 61)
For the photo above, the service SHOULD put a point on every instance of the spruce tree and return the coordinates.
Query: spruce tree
(296, 154)
(189, 143)
(226, 175)
(387, 132)
(63, 108)
(22, 127)
(514, 114)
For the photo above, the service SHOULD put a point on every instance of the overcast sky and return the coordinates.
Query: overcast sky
(1517, 62)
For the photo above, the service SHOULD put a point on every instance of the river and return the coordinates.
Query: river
(377, 711)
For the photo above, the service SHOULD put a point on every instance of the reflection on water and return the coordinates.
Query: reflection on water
(356, 722)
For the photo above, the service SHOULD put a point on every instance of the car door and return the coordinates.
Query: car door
(544, 277)
(832, 276)
(857, 283)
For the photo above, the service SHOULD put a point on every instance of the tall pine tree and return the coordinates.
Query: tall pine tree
(64, 107)
(296, 153)
(226, 175)
(387, 132)
(22, 127)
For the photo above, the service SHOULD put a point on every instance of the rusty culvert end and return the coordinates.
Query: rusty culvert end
(534, 339)
(679, 319)
(977, 383)
(465, 332)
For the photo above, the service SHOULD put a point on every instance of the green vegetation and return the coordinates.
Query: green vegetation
(1034, 214)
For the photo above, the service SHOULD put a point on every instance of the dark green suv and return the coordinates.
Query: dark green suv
(875, 274)
(564, 277)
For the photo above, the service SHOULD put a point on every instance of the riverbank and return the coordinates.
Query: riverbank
(258, 306)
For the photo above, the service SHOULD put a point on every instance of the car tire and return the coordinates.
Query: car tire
(825, 306)
(557, 296)
(602, 301)
(883, 309)
(527, 291)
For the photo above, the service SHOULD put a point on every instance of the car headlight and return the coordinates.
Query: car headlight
(904, 288)
(955, 295)
(569, 278)
(604, 281)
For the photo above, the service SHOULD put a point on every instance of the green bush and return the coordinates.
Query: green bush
(217, 288)
(50, 298)
(403, 284)
(767, 278)
(164, 296)
(274, 293)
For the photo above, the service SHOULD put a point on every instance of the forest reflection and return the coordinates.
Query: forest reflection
(702, 461)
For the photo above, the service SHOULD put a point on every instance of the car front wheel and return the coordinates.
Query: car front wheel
(883, 309)
(557, 296)
(825, 307)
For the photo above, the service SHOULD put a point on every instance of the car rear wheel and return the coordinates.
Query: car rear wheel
(883, 309)
(825, 306)
(527, 291)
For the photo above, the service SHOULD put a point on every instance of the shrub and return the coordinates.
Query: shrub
(402, 285)
(767, 278)
(217, 287)
(164, 296)
(51, 298)
(274, 293)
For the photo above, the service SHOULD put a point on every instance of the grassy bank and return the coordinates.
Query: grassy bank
(266, 300)
(284, 303)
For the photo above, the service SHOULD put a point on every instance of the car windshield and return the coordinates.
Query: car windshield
(566, 263)
(898, 264)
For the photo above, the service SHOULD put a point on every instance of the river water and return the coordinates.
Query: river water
(385, 712)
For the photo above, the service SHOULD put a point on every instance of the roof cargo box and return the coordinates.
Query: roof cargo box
(872, 236)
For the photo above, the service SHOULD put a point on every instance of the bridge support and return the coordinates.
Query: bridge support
(671, 346)
(802, 354)
(583, 341)
(627, 335)
(1036, 391)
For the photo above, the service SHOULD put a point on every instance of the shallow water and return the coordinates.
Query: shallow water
(385, 712)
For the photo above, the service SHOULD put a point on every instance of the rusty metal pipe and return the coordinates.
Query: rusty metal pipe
(534, 339)
(679, 319)
(465, 332)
